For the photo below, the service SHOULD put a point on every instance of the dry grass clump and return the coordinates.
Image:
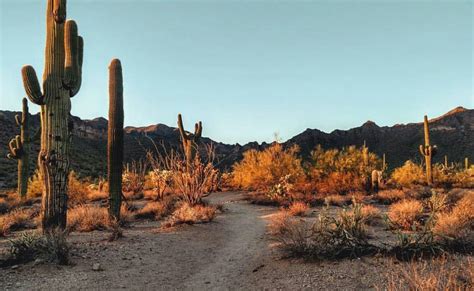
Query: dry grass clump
(390, 196)
(435, 274)
(85, 218)
(298, 208)
(187, 214)
(16, 220)
(154, 210)
(50, 247)
(405, 213)
(35, 186)
(96, 195)
(133, 178)
(457, 224)
(371, 214)
(78, 192)
(327, 238)
(337, 200)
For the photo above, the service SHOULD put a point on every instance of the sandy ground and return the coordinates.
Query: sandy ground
(233, 252)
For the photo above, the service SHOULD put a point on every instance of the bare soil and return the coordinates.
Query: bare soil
(232, 252)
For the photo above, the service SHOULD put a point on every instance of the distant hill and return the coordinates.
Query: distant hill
(453, 133)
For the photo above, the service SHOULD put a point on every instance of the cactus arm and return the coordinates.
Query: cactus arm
(31, 84)
(422, 150)
(17, 120)
(58, 10)
(71, 63)
(181, 127)
(198, 130)
(15, 146)
(80, 56)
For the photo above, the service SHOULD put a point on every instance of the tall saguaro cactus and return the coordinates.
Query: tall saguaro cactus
(189, 140)
(61, 81)
(115, 139)
(428, 151)
(20, 148)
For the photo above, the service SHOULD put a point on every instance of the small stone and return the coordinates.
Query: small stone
(38, 262)
(15, 267)
(96, 267)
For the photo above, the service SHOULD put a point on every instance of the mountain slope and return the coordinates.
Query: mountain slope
(453, 133)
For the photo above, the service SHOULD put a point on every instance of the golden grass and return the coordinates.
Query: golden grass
(16, 220)
(390, 196)
(405, 213)
(371, 214)
(298, 208)
(459, 222)
(85, 218)
(337, 200)
(96, 195)
(154, 210)
(187, 214)
(436, 274)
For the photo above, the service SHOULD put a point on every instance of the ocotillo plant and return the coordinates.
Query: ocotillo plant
(115, 139)
(20, 148)
(189, 140)
(428, 151)
(61, 81)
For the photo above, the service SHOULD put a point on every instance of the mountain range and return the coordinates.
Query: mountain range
(452, 132)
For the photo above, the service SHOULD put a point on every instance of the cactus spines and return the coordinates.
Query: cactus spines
(19, 149)
(189, 140)
(61, 81)
(428, 151)
(115, 139)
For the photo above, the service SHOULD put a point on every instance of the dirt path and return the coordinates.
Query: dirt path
(231, 253)
(209, 256)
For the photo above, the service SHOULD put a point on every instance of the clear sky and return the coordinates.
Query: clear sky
(248, 69)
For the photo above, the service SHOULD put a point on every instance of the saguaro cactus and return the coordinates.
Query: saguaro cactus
(428, 151)
(115, 139)
(20, 148)
(466, 163)
(61, 81)
(189, 140)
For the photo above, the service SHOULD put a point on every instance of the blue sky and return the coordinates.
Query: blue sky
(248, 69)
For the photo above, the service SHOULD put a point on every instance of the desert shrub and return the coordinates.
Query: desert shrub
(16, 220)
(457, 224)
(133, 177)
(190, 214)
(260, 170)
(435, 274)
(50, 247)
(328, 237)
(35, 185)
(405, 213)
(161, 181)
(85, 218)
(336, 171)
(390, 196)
(298, 208)
(78, 192)
(465, 178)
(408, 174)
